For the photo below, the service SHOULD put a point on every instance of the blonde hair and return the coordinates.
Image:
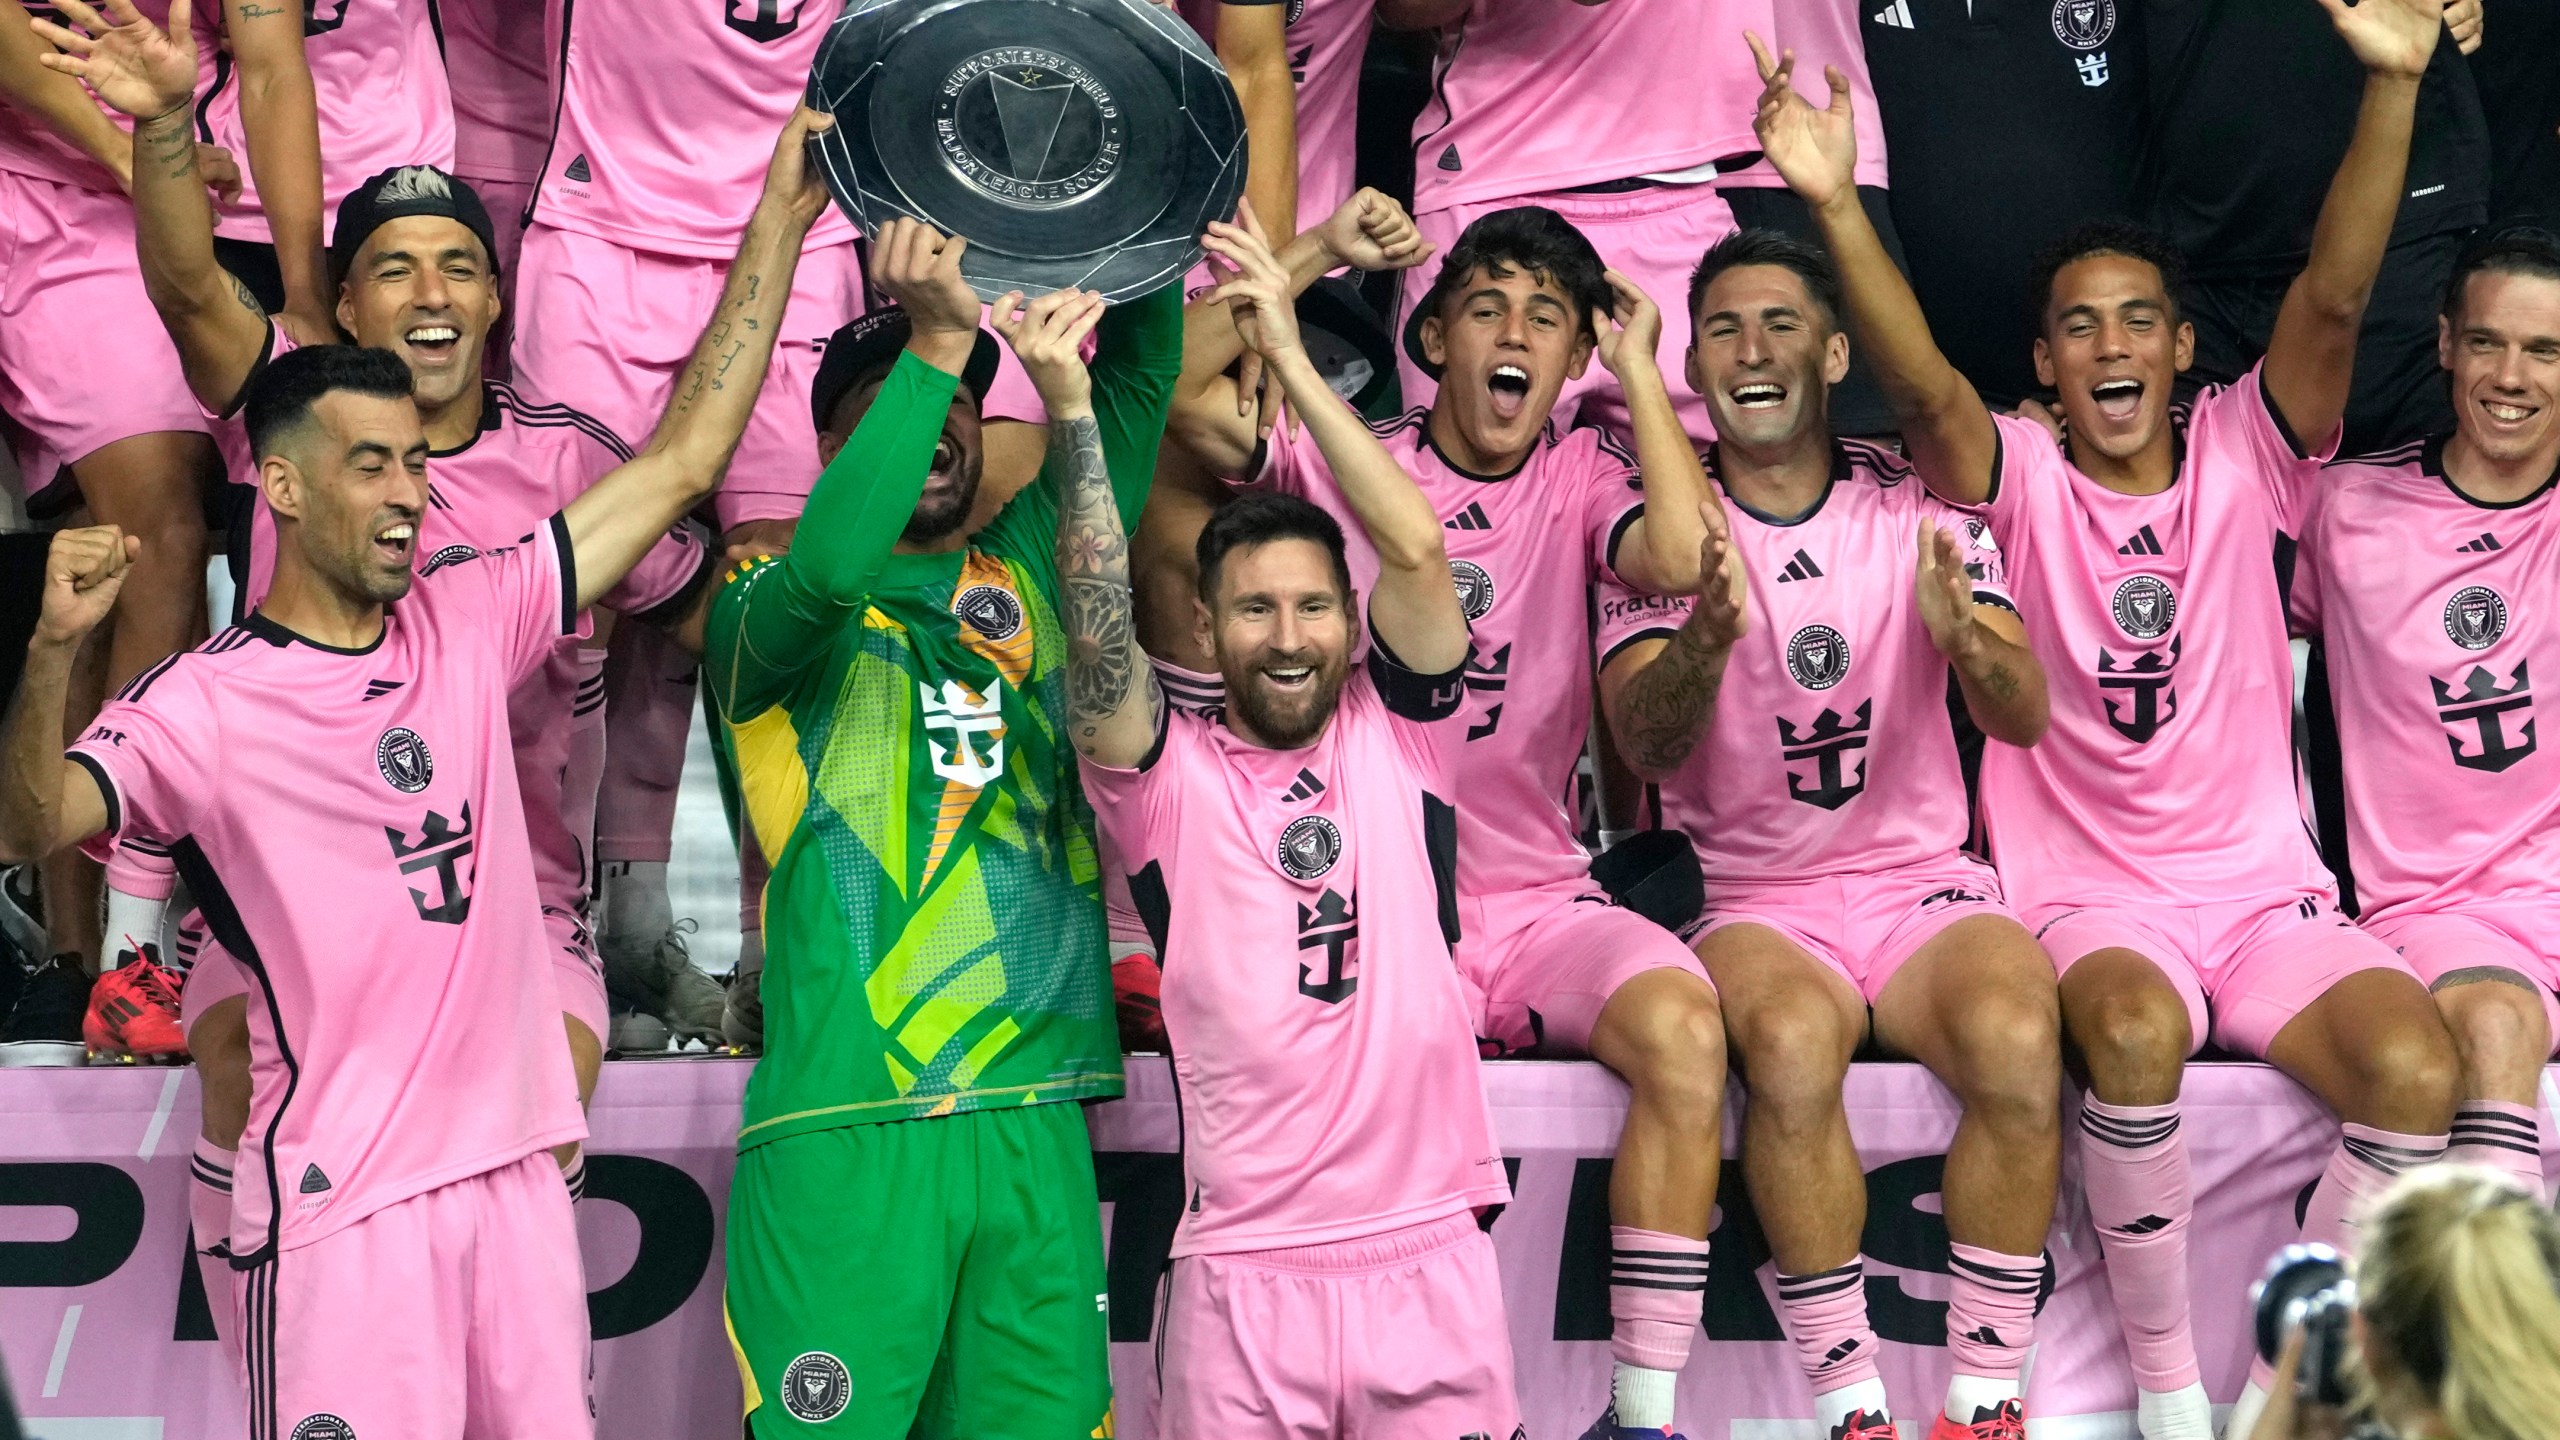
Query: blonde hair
(2459, 1281)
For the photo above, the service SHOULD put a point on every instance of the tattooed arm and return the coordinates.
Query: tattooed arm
(625, 513)
(1111, 694)
(1660, 695)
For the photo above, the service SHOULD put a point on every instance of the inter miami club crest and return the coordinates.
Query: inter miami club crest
(323, 1427)
(1309, 847)
(449, 555)
(991, 610)
(1818, 657)
(816, 1387)
(1977, 534)
(2145, 607)
(1475, 587)
(404, 760)
(2475, 617)
(2084, 24)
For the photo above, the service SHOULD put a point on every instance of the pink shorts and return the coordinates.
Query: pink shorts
(1653, 237)
(1397, 1337)
(2244, 967)
(2442, 943)
(1863, 928)
(506, 200)
(1545, 961)
(84, 361)
(606, 329)
(458, 1312)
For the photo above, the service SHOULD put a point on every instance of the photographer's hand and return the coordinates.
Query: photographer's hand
(2287, 1417)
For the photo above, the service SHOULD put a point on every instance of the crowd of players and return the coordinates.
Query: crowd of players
(1124, 655)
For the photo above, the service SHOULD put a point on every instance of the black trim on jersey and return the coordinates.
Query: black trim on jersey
(135, 687)
(1659, 632)
(490, 419)
(568, 572)
(1440, 93)
(559, 107)
(2431, 459)
(1153, 901)
(1618, 532)
(223, 69)
(552, 417)
(1440, 841)
(2324, 771)
(435, 22)
(1546, 440)
(668, 611)
(1155, 752)
(1997, 600)
(222, 917)
(2284, 427)
(264, 627)
(1840, 467)
(1999, 458)
(240, 397)
(258, 1348)
(106, 788)
(1412, 695)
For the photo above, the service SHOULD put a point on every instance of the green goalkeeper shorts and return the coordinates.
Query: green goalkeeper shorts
(923, 1278)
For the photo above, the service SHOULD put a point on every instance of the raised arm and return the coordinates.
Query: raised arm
(1660, 695)
(618, 518)
(1253, 43)
(1945, 429)
(281, 118)
(2004, 687)
(1414, 607)
(2311, 353)
(55, 101)
(1215, 418)
(150, 74)
(1659, 553)
(47, 802)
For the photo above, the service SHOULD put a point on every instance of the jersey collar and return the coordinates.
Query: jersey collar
(491, 419)
(1839, 472)
(2431, 460)
(274, 633)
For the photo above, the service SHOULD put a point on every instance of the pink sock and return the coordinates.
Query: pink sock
(1826, 1315)
(2502, 1137)
(143, 868)
(2134, 1169)
(1657, 1287)
(1991, 1311)
(209, 1213)
(2363, 1166)
(649, 689)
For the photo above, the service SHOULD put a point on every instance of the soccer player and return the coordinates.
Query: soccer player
(2153, 838)
(1840, 905)
(1612, 115)
(1296, 864)
(1534, 514)
(2428, 574)
(497, 54)
(895, 687)
(336, 777)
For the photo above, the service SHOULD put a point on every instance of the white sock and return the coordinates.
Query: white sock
(133, 921)
(2244, 1413)
(1643, 1397)
(2181, 1414)
(635, 899)
(1969, 1393)
(1833, 1406)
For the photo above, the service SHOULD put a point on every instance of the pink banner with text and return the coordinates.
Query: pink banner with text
(105, 1333)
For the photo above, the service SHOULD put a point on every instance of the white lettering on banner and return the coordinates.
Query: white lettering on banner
(84, 1222)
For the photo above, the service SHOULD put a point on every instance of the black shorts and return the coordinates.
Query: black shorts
(1857, 405)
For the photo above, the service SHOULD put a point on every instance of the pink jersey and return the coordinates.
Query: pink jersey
(1327, 41)
(1830, 753)
(1304, 903)
(2431, 607)
(2167, 774)
(1536, 95)
(668, 112)
(377, 75)
(1525, 549)
(527, 462)
(28, 146)
(499, 53)
(1825, 32)
(349, 822)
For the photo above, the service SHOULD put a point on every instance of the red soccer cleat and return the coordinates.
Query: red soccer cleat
(133, 1010)
(2008, 1422)
(1870, 1425)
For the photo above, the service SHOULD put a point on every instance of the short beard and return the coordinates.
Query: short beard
(1273, 728)
(931, 522)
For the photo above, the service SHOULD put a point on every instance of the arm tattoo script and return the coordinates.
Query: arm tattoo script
(1668, 704)
(1093, 567)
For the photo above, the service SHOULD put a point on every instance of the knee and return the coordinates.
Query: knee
(1673, 1048)
(2411, 1076)
(1793, 1054)
(2496, 1027)
(2139, 1036)
(2010, 1048)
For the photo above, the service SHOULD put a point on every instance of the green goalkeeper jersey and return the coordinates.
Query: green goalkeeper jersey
(933, 926)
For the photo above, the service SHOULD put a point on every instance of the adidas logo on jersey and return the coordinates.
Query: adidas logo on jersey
(1896, 16)
(376, 689)
(2142, 543)
(1471, 518)
(2482, 546)
(1801, 567)
(1449, 159)
(1307, 788)
(313, 1182)
(578, 171)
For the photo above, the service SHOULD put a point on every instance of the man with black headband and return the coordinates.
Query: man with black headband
(412, 258)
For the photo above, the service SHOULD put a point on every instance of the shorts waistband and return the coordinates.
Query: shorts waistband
(1371, 1252)
(1656, 198)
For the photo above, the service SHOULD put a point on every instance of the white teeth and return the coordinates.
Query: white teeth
(433, 335)
(2109, 389)
(1754, 396)
(398, 533)
(1510, 372)
(2507, 412)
